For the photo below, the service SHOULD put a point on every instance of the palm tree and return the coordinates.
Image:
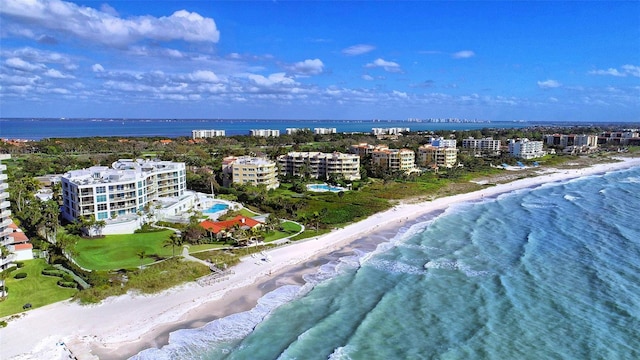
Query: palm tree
(141, 254)
(173, 241)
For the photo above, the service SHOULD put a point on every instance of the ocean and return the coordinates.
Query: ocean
(551, 272)
(36, 129)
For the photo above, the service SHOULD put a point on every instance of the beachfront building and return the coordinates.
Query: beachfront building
(202, 134)
(625, 137)
(526, 149)
(122, 190)
(573, 143)
(324, 131)
(320, 165)
(250, 170)
(6, 238)
(437, 156)
(484, 145)
(393, 159)
(264, 132)
(389, 131)
(220, 229)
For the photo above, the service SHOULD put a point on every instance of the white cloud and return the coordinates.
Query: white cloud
(625, 70)
(273, 79)
(358, 49)
(549, 84)
(97, 68)
(308, 67)
(53, 73)
(401, 94)
(204, 76)
(108, 29)
(389, 66)
(19, 64)
(367, 77)
(464, 54)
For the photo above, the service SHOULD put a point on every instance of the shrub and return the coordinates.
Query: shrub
(67, 278)
(67, 284)
(3, 324)
(19, 264)
(53, 272)
(20, 275)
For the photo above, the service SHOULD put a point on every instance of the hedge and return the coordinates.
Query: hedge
(68, 284)
(53, 272)
(21, 275)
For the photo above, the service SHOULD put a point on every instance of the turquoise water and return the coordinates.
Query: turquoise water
(215, 208)
(325, 187)
(548, 273)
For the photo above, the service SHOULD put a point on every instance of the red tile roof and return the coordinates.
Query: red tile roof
(18, 247)
(19, 236)
(13, 226)
(217, 226)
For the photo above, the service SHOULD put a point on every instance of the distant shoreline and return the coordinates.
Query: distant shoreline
(121, 326)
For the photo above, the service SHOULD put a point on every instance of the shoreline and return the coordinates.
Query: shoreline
(122, 326)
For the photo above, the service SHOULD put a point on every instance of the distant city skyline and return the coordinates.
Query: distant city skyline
(498, 61)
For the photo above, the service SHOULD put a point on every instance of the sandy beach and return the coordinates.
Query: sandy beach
(120, 327)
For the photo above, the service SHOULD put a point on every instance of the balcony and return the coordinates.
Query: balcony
(4, 186)
(4, 195)
(3, 177)
(7, 241)
(4, 223)
(9, 259)
(5, 213)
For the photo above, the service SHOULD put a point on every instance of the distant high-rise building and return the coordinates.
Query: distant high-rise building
(265, 132)
(201, 134)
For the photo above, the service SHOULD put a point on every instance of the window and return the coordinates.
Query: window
(103, 215)
(102, 207)
(101, 198)
(101, 190)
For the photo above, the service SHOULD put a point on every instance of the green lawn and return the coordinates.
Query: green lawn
(120, 251)
(36, 289)
(289, 228)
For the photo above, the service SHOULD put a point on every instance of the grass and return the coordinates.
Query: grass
(120, 251)
(288, 228)
(152, 279)
(36, 289)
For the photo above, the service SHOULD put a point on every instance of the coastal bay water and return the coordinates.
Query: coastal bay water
(36, 129)
(550, 272)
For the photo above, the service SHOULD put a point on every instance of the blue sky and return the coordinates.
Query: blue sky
(537, 61)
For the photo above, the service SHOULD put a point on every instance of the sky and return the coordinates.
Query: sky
(498, 61)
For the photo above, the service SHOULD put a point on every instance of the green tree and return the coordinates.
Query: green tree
(175, 240)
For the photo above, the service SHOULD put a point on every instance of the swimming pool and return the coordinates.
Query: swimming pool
(324, 187)
(215, 208)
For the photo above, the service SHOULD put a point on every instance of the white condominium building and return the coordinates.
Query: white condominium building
(201, 134)
(442, 142)
(265, 132)
(291, 131)
(5, 220)
(102, 192)
(429, 155)
(324, 131)
(389, 131)
(485, 144)
(320, 165)
(526, 149)
(250, 170)
(394, 159)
